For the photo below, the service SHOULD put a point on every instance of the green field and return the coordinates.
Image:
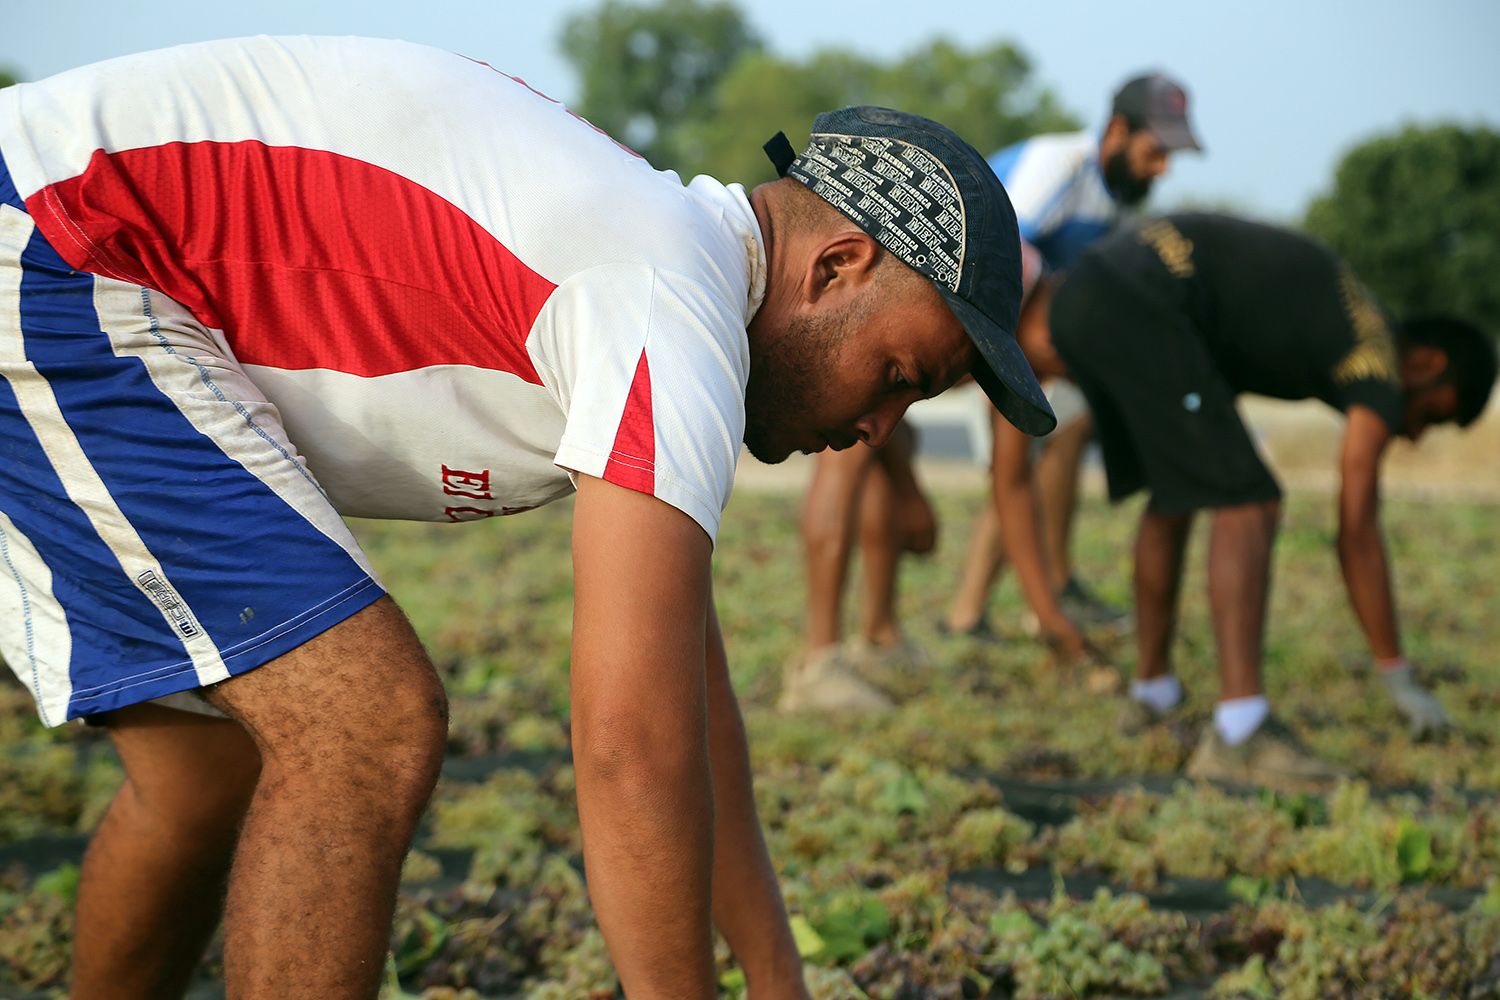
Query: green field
(994, 836)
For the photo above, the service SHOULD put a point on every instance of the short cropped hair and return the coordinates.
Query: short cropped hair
(1472, 362)
(805, 211)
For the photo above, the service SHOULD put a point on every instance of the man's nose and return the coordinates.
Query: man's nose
(876, 427)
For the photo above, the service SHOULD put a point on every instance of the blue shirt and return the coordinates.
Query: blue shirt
(1057, 188)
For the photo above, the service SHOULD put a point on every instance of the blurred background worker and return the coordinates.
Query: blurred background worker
(1163, 327)
(1068, 190)
(872, 493)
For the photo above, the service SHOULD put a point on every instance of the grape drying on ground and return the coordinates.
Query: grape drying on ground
(994, 837)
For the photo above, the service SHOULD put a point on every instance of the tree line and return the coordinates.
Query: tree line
(692, 86)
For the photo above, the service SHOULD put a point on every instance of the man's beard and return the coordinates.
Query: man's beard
(786, 377)
(1128, 189)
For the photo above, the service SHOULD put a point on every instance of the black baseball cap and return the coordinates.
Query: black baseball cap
(933, 202)
(1158, 103)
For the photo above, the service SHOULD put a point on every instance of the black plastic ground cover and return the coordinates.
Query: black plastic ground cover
(1195, 897)
(1054, 802)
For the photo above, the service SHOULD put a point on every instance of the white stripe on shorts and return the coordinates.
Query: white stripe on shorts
(41, 650)
(82, 483)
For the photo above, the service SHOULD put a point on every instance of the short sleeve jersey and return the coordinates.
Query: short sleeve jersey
(458, 294)
(1281, 315)
(1058, 191)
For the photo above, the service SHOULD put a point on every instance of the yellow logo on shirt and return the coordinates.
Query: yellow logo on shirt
(1373, 356)
(1174, 249)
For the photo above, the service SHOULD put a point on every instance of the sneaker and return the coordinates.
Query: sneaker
(1086, 610)
(1272, 757)
(981, 630)
(900, 668)
(825, 681)
(1090, 611)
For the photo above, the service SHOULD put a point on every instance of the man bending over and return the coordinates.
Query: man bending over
(247, 287)
(1163, 327)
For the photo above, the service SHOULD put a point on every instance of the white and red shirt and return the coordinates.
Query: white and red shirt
(457, 293)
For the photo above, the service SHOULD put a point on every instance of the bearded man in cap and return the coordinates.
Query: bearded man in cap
(1069, 190)
(249, 286)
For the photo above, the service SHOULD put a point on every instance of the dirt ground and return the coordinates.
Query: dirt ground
(1300, 441)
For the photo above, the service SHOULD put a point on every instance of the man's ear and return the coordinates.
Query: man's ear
(1116, 133)
(842, 264)
(1423, 364)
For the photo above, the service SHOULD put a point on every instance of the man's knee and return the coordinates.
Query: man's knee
(830, 510)
(358, 706)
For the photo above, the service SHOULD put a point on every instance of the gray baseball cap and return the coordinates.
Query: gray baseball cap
(1158, 103)
(933, 202)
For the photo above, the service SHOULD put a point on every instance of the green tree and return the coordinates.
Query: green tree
(689, 84)
(1417, 216)
(647, 68)
(984, 94)
(7, 78)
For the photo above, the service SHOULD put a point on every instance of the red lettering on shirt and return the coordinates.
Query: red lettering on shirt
(468, 513)
(474, 485)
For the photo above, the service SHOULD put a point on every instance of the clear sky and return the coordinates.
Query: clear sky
(1280, 88)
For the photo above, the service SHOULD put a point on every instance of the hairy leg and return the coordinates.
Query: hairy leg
(350, 727)
(1159, 547)
(828, 527)
(152, 888)
(1057, 475)
(880, 551)
(1239, 580)
(983, 562)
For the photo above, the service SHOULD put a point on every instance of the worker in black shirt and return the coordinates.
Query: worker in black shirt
(1162, 327)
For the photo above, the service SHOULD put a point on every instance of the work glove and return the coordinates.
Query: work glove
(1423, 713)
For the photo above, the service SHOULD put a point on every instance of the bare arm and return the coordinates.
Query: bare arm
(640, 736)
(1019, 507)
(748, 909)
(1361, 547)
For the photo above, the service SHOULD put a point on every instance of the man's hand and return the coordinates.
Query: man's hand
(1078, 657)
(640, 736)
(916, 524)
(1423, 712)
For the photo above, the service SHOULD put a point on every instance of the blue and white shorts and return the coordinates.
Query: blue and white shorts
(158, 531)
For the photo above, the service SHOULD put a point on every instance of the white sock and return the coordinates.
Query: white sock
(1161, 693)
(1238, 718)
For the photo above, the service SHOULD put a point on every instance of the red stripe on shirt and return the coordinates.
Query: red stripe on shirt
(304, 258)
(632, 461)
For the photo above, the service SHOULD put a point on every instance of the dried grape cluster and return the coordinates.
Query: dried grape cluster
(1414, 949)
(540, 940)
(1352, 839)
(36, 926)
(886, 829)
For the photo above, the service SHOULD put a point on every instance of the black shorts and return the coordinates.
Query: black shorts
(1164, 413)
